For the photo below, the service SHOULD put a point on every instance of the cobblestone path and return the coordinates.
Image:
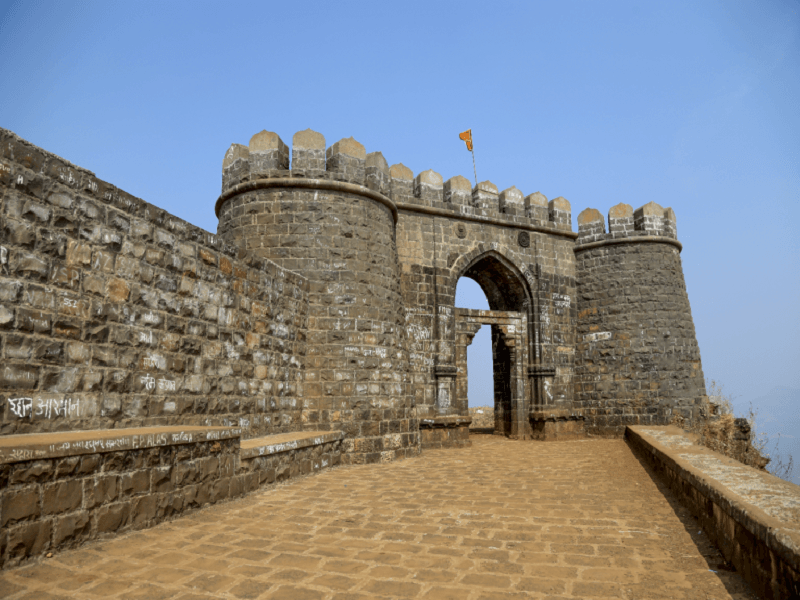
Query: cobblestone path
(502, 519)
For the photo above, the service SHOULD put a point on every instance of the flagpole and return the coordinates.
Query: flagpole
(473, 168)
(466, 136)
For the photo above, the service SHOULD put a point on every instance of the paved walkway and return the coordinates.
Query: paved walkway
(502, 519)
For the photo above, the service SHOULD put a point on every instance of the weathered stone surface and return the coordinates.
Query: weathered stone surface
(377, 173)
(19, 505)
(458, 190)
(620, 220)
(512, 202)
(28, 539)
(71, 529)
(308, 154)
(346, 161)
(428, 186)
(591, 226)
(62, 496)
(268, 155)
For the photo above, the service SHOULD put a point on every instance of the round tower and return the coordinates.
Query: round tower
(329, 219)
(637, 360)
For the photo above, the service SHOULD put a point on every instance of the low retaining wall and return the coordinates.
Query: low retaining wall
(753, 517)
(283, 456)
(61, 490)
(444, 432)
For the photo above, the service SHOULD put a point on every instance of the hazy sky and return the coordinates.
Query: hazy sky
(695, 105)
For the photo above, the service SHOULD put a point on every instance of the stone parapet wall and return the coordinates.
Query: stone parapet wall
(60, 500)
(624, 223)
(750, 515)
(114, 313)
(267, 156)
(61, 490)
(290, 463)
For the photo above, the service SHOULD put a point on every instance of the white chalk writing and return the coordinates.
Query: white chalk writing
(561, 301)
(148, 382)
(152, 361)
(21, 454)
(594, 337)
(22, 407)
(57, 407)
(166, 385)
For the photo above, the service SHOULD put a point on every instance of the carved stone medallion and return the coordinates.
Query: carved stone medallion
(461, 230)
(524, 239)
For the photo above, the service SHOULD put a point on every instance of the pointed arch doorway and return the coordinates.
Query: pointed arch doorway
(509, 297)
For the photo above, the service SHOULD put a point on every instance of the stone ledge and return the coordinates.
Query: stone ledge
(446, 421)
(285, 442)
(637, 239)
(753, 517)
(34, 446)
(556, 414)
(304, 183)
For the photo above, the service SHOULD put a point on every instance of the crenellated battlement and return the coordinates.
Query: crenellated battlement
(623, 222)
(268, 157)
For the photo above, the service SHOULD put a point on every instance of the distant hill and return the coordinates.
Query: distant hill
(778, 412)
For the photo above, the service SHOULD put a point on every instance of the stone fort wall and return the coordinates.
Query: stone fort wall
(114, 313)
(326, 302)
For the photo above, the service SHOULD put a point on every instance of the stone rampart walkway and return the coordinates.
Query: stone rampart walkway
(502, 519)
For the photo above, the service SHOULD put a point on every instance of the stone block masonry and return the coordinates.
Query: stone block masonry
(637, 358)
(61, 490)
(751, 516)
(327, 302)
(114, 313)
(319, 322)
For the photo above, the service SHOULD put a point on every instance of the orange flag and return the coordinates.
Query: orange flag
(467, 137)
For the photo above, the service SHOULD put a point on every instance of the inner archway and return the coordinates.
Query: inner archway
(500, 299)
(480, 378)
(501, 282)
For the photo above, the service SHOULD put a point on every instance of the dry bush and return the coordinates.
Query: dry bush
(736, 437)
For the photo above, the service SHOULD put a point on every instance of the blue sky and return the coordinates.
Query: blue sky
(694, 105)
